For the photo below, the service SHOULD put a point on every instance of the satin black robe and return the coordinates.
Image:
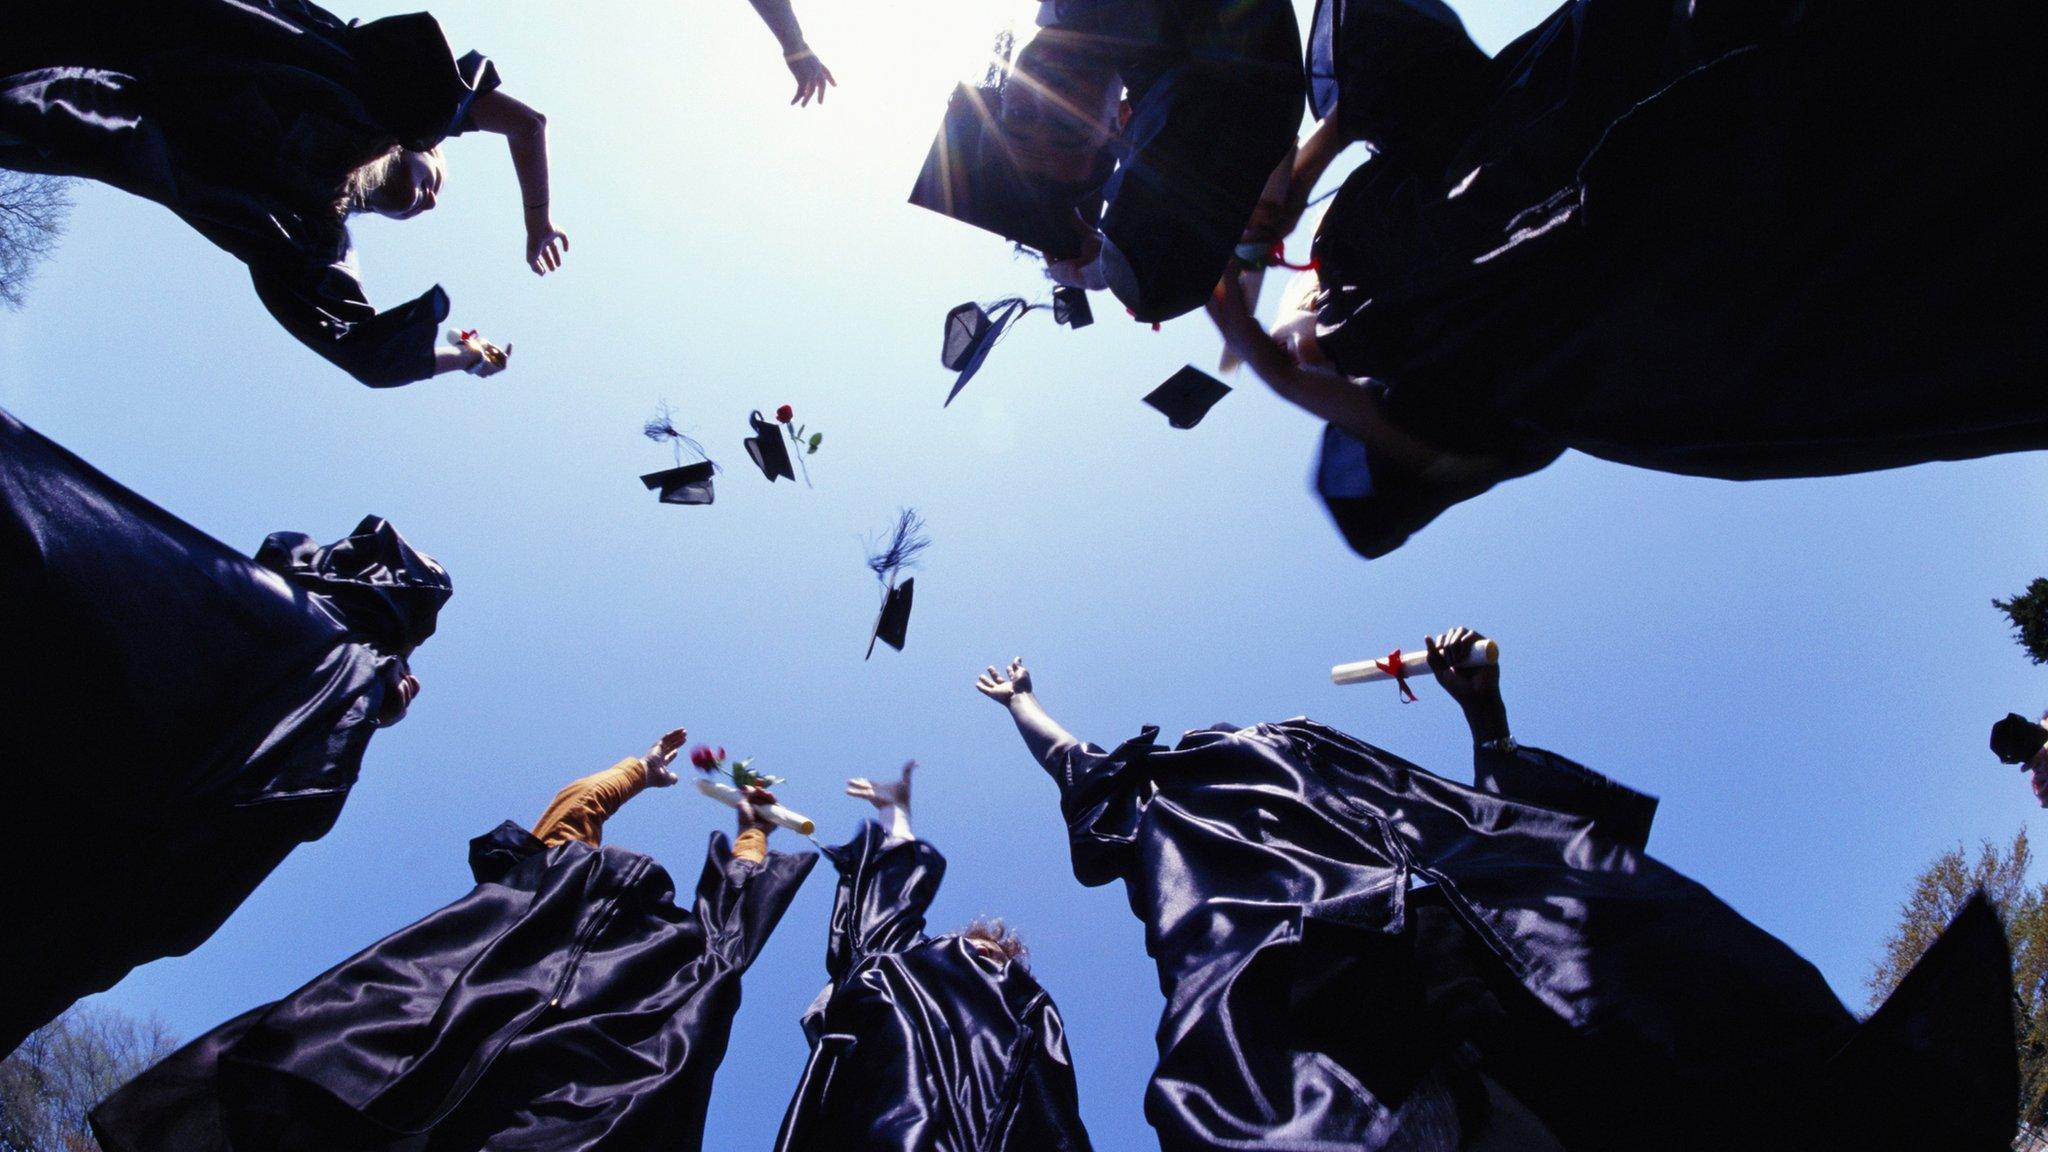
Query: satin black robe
(566, 1002)
(921, 1043)
(175, 718)
(244, 117)
(1215, 93)
(1271, 868)
(1735, 238)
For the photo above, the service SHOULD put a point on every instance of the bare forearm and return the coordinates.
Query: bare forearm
(526, 133)
(1042, 734)
(1311, 160)
(896, 820)
(780, 17)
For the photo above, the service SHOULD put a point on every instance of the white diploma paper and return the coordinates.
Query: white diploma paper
(775, 814)
(1413, 664)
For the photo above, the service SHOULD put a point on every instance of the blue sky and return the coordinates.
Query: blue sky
(1804, 671)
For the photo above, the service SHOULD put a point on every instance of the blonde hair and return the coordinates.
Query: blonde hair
(371, 175)
(992, 931)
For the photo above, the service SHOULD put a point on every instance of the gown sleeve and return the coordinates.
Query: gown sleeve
(1378, 507)
(884, 890)
(323, 306)
(1545, 779)
(412, 81)
(739, 902)
(1102, 796)
(1046, 1115)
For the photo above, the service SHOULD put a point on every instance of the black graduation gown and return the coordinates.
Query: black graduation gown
(566, 1002)
(1734, 238)
(174, 717)
(1271, 867)
(920, 1043)
(1215, 91)
(244, 117)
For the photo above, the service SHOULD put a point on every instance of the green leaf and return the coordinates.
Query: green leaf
(817, 438)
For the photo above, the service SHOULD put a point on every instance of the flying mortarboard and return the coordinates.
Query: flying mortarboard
(971, 331)
(2015, 739)
(1187, 396)
(907, 541)
(894, 620)
(689, 484)
(768, 451)
(685, 483)
(1070, 307)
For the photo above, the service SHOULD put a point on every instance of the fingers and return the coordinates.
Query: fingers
(1437, 661)
(909, 766)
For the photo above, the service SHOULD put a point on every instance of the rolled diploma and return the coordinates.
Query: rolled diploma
(1412, 664)
(775, 814)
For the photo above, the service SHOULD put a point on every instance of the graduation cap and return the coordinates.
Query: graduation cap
(2015, 739)
(971, 331)
(907, 541)
(894, 620)
(970, 176)
(768, 450)
(685, 483)
(689, 484)
(1187, 396)
(1070, 307)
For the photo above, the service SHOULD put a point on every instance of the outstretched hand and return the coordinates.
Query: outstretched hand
(1476, 690)
(546, 245)
(754, 803)
(812, 77)
(662, 754)
(895, 795)
(1005, 686)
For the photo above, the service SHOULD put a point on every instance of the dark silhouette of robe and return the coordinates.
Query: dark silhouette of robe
(245, 117)
(921, 1043)
(1215, 94)
(567, 1002)
(175, 717)
(1311, 996)
(1742, 239)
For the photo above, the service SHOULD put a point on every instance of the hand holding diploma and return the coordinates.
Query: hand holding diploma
(1471, 679)
(758, 804)
(1482, 653)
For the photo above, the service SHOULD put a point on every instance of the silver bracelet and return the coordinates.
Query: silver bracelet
(1505, 745)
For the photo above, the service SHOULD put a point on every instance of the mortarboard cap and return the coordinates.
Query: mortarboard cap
(970, 333)
(768, 450)
(689, 484)
(894, 620)
(969, 176)
(1187, 396)
(2015, 739)
(1070, 307)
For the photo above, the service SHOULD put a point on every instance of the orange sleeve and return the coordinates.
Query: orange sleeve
(751, 845)
(579, 811)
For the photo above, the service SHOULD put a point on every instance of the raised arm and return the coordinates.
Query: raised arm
(579, 811)
(1321, 391)
(812, 77)
(891, 801)
(526, 132)
(1012, 689)
(1527, 775)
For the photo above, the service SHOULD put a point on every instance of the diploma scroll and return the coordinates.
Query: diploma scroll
(775, 814)
(1484, 654)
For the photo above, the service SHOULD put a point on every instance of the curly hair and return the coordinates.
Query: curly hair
(1001, 937)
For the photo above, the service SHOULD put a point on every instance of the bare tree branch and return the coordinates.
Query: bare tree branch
(33, 211)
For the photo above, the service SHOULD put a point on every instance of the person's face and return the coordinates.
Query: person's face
(413, 187)
(1047, 135)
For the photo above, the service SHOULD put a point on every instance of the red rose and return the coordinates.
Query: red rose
(703, 758)
(721, 753)
(785, 414)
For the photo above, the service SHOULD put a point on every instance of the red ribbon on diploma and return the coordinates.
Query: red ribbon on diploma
(1392, 666)
(1279, 257)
